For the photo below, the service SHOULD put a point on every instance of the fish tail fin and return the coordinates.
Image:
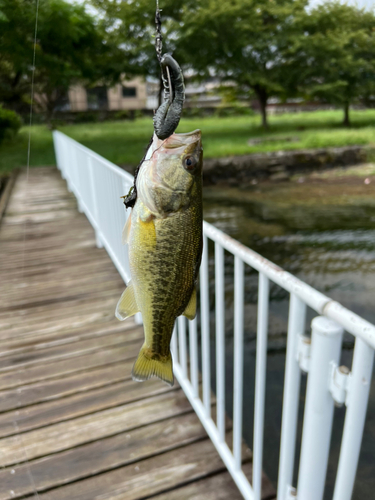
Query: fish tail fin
(147, 366)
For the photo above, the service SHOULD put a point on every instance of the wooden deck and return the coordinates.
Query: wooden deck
(73, 425)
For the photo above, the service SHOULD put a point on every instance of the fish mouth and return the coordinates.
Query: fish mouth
(176, 141)
(195, 132)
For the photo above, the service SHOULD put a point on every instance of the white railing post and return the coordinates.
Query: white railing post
(238, 361)
(220, 339)
(296, 327)
(57, 148)
(99, 243)
(260, 383)
(317, 423)
(174, 349)
(205, 328)
(182, 344)
(193, 347)
(359, 388)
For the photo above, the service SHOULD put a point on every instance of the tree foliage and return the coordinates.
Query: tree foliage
(270, 48)
(131, 25)
(10, 123)
(70, 48)
(335, 57)
(245, 41)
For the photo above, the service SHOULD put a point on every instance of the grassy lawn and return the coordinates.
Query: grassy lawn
(124, 142)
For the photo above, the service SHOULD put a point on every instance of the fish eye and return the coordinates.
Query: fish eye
(190, 162)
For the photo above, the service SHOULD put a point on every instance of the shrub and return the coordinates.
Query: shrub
(122, 114)
(10, 123)
(86, 117)
(233, 110)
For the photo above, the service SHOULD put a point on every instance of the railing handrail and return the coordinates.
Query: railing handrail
(322, 304)
(115, 168)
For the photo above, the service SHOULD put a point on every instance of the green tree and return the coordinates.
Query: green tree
(335, 57)
(16, 33)
(70, 48)
(131, 25)
(245, 41)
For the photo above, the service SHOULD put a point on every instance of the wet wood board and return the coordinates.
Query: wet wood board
(73, 424)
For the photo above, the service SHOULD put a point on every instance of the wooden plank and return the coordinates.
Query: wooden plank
(39, 218)
(34, 254)
(81, 430)
(217, 487)
(4, 198)
(62, 387)
(49, 311)
(87, 327)
(57, 296)
(56, 258)
(51, 273)
(93, 395)
(100, 456)
(41, 231)
(81, 328)
(29, 254)
(18, 292)
(18, 361)
(79, 324)
(67, 366)
(53, 255)
(30, 320)
(57, 273)
(147, 477)
(54, 270)
(15, 209)
(60, 262)
(79, 235)
(14, 319)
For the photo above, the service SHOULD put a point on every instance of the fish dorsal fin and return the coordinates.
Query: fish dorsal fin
(127, 305)
(191, 309)
(126, 230)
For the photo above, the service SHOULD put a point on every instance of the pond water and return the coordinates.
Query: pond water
(323, 231)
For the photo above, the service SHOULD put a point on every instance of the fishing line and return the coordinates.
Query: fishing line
(19, 391)
(30, 123)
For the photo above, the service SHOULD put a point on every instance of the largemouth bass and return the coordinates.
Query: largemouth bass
(164, 234)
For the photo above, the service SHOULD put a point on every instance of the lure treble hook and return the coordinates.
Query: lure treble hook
(168, 115)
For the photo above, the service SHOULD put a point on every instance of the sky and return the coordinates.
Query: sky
(367, 4)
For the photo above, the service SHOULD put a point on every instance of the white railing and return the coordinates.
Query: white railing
(98, 186)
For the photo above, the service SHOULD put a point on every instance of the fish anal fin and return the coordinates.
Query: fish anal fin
(126, 230)
(191, 309)
(149, 365)
(127, 305)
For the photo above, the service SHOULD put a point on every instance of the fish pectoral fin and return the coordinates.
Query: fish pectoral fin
(126, 230)
(191, 309)
(148, 365)
(127, 305)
